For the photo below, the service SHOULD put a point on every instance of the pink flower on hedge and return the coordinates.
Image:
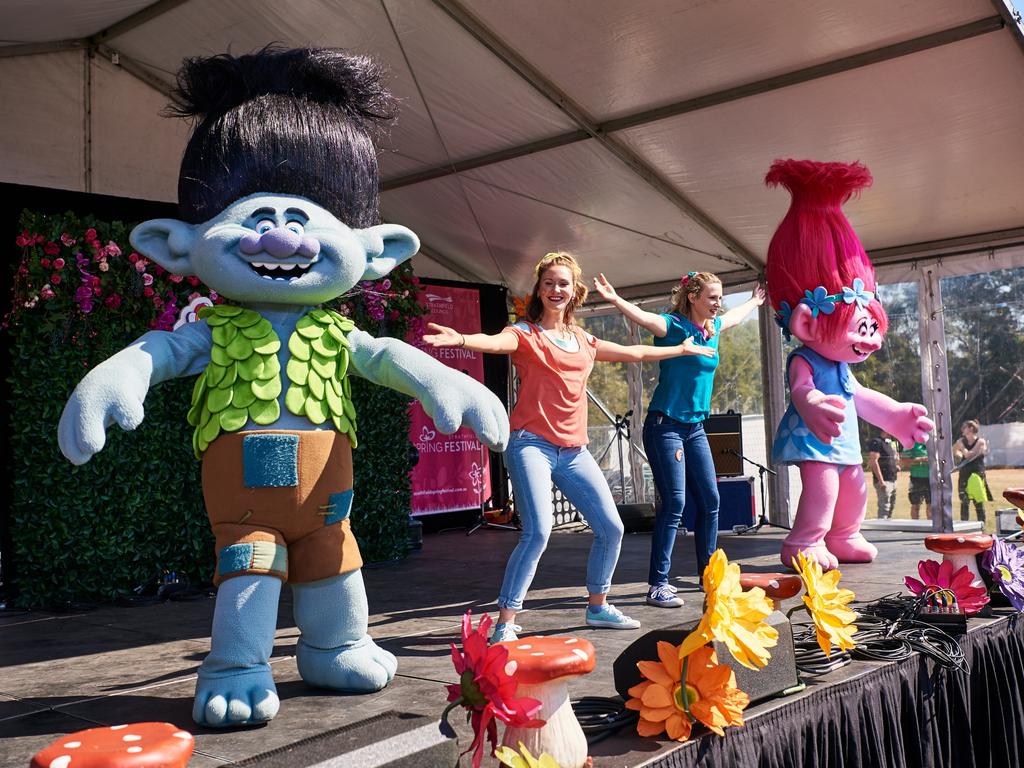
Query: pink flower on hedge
(44, 263)
(175, 278)
(147, 279)
(51, 248)
(111, 250)
(936, 577)
(46, 292)
(140, 265)
(147, 291)
(113, 301)
(90, 234)
(133, 257)
(55, 278)
(23, 240)
(97, 291)
(58, 263)
(67, 239)
(104, 267)
(192, 280)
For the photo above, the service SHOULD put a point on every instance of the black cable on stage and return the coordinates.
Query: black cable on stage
(888, 631)
(600, 717)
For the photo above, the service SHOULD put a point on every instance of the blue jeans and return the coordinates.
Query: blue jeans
(533, 463)
(683, 470)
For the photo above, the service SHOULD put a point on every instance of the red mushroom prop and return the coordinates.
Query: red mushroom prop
(961, 549)
(543, 667)
(777, 586)
(139, 745)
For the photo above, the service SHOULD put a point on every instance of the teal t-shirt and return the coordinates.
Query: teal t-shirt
(684, 383)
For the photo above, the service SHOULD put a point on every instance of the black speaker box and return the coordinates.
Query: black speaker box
(636, 517)
(777, 676)
(389, 740)
(725, 438)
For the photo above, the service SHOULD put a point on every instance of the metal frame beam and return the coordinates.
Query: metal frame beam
(594, 130)
(574, 112)
(137, 19)
(35, 49)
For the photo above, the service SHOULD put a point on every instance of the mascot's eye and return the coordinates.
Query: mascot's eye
(295, 227)
(264, 225)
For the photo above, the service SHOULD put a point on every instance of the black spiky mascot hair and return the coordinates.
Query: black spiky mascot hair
(298, 122)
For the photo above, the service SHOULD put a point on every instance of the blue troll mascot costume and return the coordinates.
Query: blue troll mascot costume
(279, 200)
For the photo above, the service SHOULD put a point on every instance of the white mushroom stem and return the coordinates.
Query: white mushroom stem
(561, 737)
(971, 561)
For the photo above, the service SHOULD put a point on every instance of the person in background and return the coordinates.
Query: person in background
(553, 357)
(674, 438)
(884, 465)
(916, 461)
(969, 453)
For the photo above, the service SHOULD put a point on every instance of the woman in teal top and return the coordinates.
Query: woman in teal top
(677, 447)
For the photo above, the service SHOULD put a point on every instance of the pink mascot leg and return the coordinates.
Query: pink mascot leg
(845, 540)
(814, 514)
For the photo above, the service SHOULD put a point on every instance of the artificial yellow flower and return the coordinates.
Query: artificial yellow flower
(710, 694)
(523, 758)
(732, 616)
(826, 602)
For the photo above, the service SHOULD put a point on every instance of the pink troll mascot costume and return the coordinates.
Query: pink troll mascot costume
(822, 286)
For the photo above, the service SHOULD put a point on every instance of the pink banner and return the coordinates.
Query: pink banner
(453, 472)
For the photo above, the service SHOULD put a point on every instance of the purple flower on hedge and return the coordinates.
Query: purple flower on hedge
(1006, 564)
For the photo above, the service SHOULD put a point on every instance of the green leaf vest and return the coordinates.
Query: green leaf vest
(243, 378)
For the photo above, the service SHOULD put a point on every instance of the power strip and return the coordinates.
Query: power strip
(948, 622)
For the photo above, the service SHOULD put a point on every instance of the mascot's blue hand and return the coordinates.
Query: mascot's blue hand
(462, 401)
(110, 393)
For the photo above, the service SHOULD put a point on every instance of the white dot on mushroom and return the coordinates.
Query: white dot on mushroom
(134, 749)
(511, 667)
(131, 737)
(72, 744)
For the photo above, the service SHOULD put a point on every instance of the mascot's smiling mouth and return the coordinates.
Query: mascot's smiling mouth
(278, 271)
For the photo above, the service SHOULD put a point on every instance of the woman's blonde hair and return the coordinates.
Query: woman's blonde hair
(689, 288)
(535, 308)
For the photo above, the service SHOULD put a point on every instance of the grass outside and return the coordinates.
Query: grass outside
(998, 481)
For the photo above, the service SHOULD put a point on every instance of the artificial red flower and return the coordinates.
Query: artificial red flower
(939, 577)
(44, 263)
(23, 240)
(90, 234)
(58, 263)
(55, 279)
(51, 248)
(147, 291)
(486, 689)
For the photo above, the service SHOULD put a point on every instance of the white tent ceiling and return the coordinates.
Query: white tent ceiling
(634, 134)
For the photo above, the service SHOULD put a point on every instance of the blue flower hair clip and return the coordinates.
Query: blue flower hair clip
(686, 279)
(857, 294)
(782, 319)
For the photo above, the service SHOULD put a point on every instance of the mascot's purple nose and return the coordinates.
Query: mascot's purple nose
(280, 242)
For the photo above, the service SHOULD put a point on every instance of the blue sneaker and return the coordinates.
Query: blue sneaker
(505, 633)
(610, 617)
(663, 596)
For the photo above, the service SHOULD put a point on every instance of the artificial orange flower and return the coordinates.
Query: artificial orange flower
(709, 695)
(732, 616)
(826, 602)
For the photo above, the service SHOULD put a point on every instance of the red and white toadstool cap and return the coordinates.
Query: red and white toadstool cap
(533, 660)
(139, 745)
(959, 543)
(778, 586)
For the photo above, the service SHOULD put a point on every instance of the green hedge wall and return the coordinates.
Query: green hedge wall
(94, 532)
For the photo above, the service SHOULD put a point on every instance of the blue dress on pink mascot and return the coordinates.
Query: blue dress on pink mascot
(279, 203)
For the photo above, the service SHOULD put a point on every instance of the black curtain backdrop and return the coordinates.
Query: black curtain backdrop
(912, 714)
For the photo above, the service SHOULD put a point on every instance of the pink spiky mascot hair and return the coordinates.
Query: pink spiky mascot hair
(815, 245)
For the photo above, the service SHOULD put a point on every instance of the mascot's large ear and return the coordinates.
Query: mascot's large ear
(804, 325)
(386, 246)
(168, 242)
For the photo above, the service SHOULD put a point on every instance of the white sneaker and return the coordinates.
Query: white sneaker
(610, 617)
(505, 633)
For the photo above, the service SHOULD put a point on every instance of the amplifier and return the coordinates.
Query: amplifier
(736, 508)
(725, 438)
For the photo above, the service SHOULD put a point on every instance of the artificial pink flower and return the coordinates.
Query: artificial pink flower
(937, 576)
(55, 278)
(175, 278)
(90, 234)
(140, 265)
(485, 689)
(67, 239)
(133, 257)
(192, 280)
(51, 248)
(113, 301)
(104, 266)
(46, 292)
(44, 263)
(58, 263)
(147, 291)
(147, 279)
(111, 250)
(23, 240)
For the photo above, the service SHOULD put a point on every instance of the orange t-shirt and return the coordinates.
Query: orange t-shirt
(552, 399)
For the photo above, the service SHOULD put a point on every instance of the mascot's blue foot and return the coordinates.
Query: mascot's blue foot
(359, 667)
(248, 698)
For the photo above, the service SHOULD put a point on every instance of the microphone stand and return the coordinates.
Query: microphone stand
(762, 520)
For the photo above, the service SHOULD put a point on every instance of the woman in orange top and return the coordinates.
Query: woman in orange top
(554, 357)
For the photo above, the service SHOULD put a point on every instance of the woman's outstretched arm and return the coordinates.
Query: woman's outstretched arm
(654, 323)
(495, 343)
(737, 315)
(610, 352)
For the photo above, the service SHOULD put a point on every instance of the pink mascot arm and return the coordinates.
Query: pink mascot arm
(823, 414)
(906, 422)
